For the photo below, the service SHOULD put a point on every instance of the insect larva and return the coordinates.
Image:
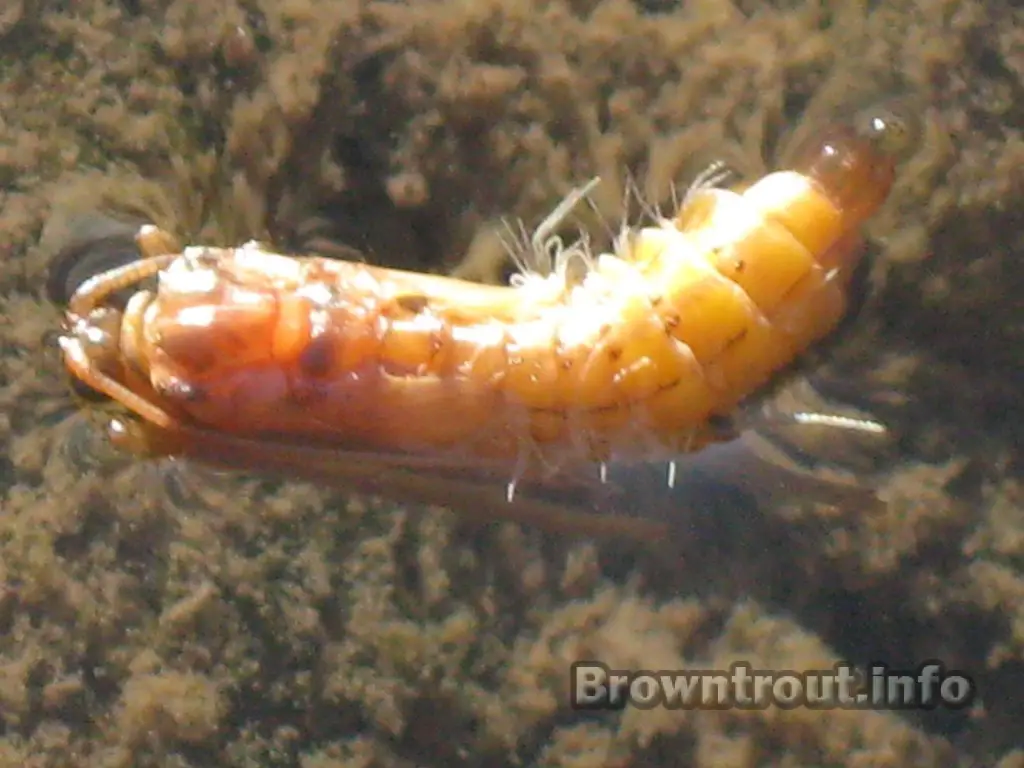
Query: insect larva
(635, 360)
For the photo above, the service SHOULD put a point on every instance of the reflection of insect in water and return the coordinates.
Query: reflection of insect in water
(249, 358)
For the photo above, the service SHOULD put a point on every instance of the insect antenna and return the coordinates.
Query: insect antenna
(546, 245)
(516, 246)
(629, 192)
(581, 251)
(673, 192)
(648, 210)
(711, 177)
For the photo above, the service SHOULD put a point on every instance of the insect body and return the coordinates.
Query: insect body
(635, 360)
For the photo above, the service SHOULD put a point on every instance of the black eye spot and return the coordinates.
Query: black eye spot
(180, 391)
(95, 245)
(85, 393)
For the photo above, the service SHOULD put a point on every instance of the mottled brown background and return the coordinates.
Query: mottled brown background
(167, 616)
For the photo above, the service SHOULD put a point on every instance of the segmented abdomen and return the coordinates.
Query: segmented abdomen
(684, 319)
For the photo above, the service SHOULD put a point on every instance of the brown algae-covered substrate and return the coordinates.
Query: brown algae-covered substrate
(155, 616)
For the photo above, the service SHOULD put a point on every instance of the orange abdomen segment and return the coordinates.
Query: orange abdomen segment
(756, 269)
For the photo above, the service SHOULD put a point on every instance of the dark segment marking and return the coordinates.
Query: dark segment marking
(733, 341)
(413, 303)
(317, 357)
